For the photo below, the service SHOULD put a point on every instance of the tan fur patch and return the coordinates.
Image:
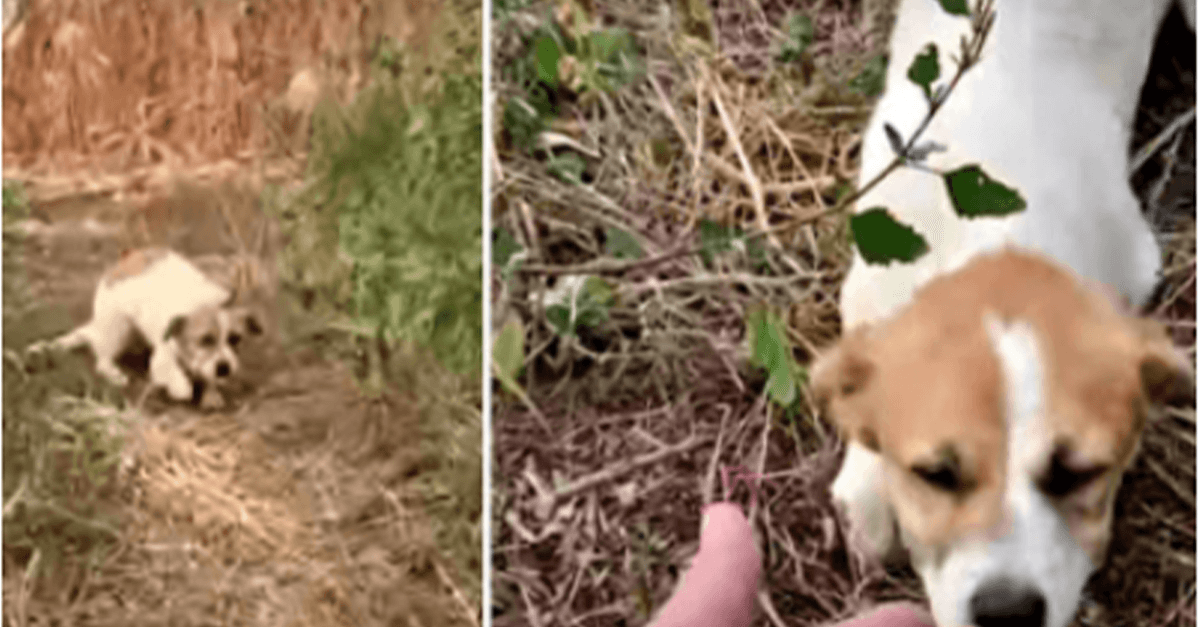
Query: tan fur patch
(929, 378)
(132, 263)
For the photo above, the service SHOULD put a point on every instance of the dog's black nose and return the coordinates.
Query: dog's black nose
(1002, 602)
(222, 369)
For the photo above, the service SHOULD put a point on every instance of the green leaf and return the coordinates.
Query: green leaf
(924, 69)
(956, 7)
(508, 352)
(798, 33)
(559, 317)
(771, 351)
(756, 250)
(504, 246)
(606, 45)
(621, 244)
(547, 52)
(585, 304)
(610, 60)
(597, 291)
(715, 239)
(568, 167)
(975, 194)
(523, 124)
(881, 239)
(871, 79)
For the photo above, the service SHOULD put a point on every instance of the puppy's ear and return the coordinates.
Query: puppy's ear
(175, 328)
(840, 378)
(1167, 376)
(253, 324)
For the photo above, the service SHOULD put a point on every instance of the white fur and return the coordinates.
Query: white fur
(146, 303)
(1034, 548)
(859, 489)
(1049, 110)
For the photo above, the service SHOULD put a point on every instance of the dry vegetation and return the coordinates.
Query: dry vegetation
(622, 430)
(308, 502)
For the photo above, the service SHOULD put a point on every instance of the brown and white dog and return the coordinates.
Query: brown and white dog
(993, 393)
(193, 324)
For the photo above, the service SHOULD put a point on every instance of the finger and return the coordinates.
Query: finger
(719, 589)
(892, 615)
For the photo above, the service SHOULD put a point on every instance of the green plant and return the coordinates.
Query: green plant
(771, 351)
(798, 35)
(390, 232)
(879, 237)
(383, 261)
(61, 450)
(565, 57)
(579, 302)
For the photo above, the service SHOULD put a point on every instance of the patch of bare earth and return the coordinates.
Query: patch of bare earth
(159, 123)
(601, 472)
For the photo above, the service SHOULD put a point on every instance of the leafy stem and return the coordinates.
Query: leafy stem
(982, 18)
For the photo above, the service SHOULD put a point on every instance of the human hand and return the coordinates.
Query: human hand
(719, 589)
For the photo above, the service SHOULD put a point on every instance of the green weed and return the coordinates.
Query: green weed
(63, 435)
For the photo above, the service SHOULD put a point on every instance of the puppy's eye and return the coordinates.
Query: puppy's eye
(208, 340)
(1060, 481)
(942, 476)
(234, 339)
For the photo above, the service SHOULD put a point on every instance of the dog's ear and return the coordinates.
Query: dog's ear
(175, 327)
(840, 378)
(1166, 374)
(253, 323)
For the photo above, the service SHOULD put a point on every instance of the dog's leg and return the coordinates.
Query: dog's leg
(166, 373)
(106, 339)
(859, 491)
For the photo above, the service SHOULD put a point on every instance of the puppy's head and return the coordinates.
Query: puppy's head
(1005, 402)
(208, 341)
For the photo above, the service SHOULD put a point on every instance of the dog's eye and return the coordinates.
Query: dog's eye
(234, 339)
(208, 340)
(1059, 480)
(942, 476)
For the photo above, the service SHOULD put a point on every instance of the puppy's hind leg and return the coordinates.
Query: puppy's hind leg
(107, 339)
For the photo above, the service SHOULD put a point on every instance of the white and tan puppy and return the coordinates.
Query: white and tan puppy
(193, 325)
(993, 393)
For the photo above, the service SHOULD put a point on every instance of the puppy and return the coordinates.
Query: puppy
(993, 393)
(990, 422)
(193, 324)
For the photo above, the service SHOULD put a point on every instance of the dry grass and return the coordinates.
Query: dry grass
(602, 470)
(110, 97)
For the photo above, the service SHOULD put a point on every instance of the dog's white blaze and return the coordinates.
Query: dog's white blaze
(1031, 545)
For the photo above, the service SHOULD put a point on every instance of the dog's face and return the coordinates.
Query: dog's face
(208, 341)
(1005, 403)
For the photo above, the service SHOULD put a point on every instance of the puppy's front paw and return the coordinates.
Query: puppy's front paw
(112, 373)
(858, 493)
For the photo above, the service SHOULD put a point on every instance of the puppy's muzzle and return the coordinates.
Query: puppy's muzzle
(223, 369)
(1004, 602)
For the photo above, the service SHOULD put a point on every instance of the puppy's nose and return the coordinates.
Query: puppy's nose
(1002, 602)
(222, 369)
